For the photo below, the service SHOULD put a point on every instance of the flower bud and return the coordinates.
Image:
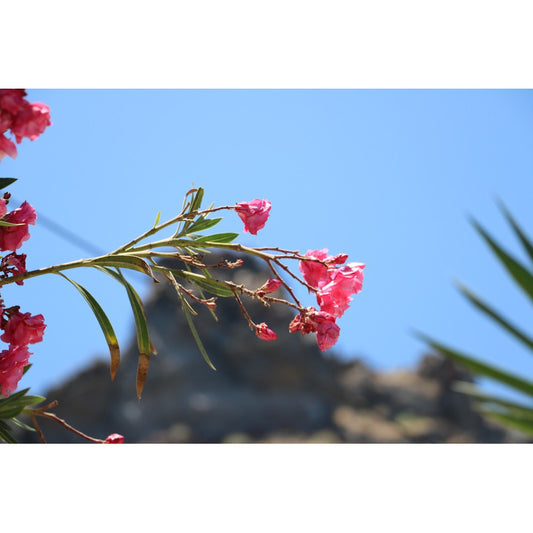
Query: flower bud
(263, 332)
(114, 438)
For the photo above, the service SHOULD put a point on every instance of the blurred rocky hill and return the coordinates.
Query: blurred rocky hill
(281, 391)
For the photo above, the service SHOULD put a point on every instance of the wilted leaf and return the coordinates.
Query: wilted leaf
(143, 338)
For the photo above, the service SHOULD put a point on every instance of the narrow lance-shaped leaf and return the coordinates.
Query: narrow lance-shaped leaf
(6, 223)
(200, 292)
(105, 325)
(214, 286)
(218, 238)
(14, 404)
(489, 400)
(131, 262)
(526, 243)
(6, 182)
(194, 332)
(143, 338)
(195, 206)
(202, 224)
(477, 367)
(5, 433)
(520, 274)
(475, 300)
(510, 420)
(157, 218)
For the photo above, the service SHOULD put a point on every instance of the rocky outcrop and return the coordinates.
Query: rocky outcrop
(282, 391)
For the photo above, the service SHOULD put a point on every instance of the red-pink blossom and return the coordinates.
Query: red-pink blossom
(317, 274)
(12, 363)
(3, 207)
(13, 264)
(114, 438)
(31, 121)
(263, 332)
(254, 214)
(327, 331)
(334, 297)
(6, 120)
(12, 100)
(311, 320)
(12, 237)
(23, 328)
(7, 147)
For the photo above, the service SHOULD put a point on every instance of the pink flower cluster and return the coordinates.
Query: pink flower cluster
(23, 118)
(334, 286)
(12, 237)
(20, 329)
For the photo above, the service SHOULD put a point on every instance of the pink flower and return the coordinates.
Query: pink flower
(6, 120)
(12, 100)
(3, 207)
(311, 320)
(334, 297)
(7, 147)
(114, 438)
(327, 331)
(12, 363)
(317, 274)
(263, 332)
(23, 328)
(254, 214)
(31, 121)
(13, 264)
(12, 237)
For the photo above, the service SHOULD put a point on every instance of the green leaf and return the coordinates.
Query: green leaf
(6, 182)
(131, 262)
(482, 369)
(5, 433)
(22, 425)
(526, 243)
(194, 332)
(143, 338)
(519, 273)
(14, 404)
(105, 325)
(217, 238)
(477, 302)
(202, 224)
(492, 401)
(195, 205)
(197, 200)
(509, 420)
(5, 223)
(158, 216)
(214, 286)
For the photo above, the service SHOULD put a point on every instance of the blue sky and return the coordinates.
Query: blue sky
(388, 176)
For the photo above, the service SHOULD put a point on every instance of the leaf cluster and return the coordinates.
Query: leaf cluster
(10, 408)
(511, 414)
